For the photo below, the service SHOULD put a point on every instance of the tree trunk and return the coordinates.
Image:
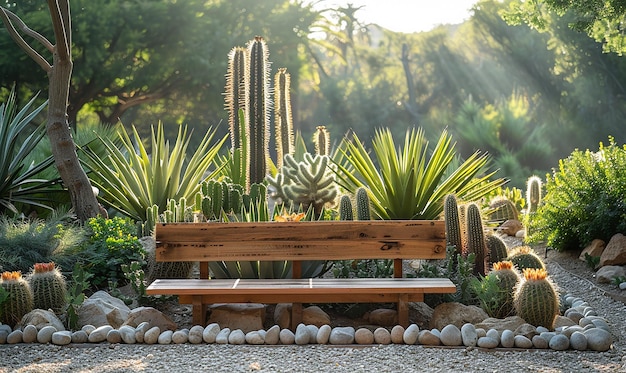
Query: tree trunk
(63, 148)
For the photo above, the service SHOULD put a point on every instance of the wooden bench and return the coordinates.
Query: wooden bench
(297, 242)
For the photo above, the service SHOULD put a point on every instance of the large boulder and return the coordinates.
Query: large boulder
(606, 274)
(595, 248)
(456, 314)
(102, 309)
(615, 251)
(40, 318)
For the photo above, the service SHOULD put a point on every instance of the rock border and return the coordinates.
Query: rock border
(590, 333)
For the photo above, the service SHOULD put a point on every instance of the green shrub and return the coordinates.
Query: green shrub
(584, 199)
(112, 243)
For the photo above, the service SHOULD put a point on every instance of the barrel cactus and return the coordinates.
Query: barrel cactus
(533, 193)
(536, 299)
(525, 257)
(48, 287)
(502, 209)
(497, 249)
(20, 301)
(507, 278)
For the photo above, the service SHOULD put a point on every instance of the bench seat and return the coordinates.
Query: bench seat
(200, 292)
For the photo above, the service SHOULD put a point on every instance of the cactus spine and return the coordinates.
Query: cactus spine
(497, 249)
(507, 278)
(258, 105)
(235, 92)
(524, 257)
(48, 287)
(345, 208)
(362, 204)
(476, 239)
(533, 193)
(322, 141)
(283, 118)
(20, 301)
(536, 299)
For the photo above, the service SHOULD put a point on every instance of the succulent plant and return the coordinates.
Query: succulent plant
(235, 91)
(507, 278)
(453, 224)
(536, 299)
(525, 257)
(363, 211)
(497, 249)
(283, 121)
(48, 287)
(533, 193)
(476, 239)
(321, 139)
(502, 209)
(20, 301)
(345, 208)
(258, 105)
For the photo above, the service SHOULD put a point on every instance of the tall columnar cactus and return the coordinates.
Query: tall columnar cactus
(48, 287)
(235, 92)
(258, 105)
(363, 211)
(524, 257)
(536, 299)
(321, 139)
(345, 208)
(533, 193)
(476, 239)
(497, 249)
(453, 224)
(507, 278)
(282, 117)
(306, 183)
(20, 301)
(502, 209)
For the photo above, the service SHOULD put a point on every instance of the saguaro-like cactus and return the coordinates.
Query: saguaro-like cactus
(476, 239)
(235, 93)
(536, 299)
(321, 139)
(48, 287)
(282, 115)
(363, 211)
(345, 208)
(20, 301)
(533, 193)
(258, 106)
(453, 224)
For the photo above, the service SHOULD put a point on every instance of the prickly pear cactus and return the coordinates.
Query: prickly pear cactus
(507, 278)
(20, 301)
(502, 209)
(476, 239)
(497, 249)
(48, 287)
(525, 257)
(536, 299)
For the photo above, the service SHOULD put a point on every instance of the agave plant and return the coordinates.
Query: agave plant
(411, 182)
(19, 182)
(131, 180)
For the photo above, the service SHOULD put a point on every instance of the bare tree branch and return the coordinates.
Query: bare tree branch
(8, 18)
(60, 27)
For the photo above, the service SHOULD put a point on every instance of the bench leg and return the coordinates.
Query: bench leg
(403, 310)
(296, 315)
(199, 311)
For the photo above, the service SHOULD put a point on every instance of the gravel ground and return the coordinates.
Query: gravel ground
(316, 358)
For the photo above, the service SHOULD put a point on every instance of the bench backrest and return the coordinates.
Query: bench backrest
(297, 241)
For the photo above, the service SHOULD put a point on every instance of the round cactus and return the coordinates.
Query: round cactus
(525, 257)
(497, 249)
(507, 278)
(48, 287)
(536, 299)
(20, 301)
(502, 209)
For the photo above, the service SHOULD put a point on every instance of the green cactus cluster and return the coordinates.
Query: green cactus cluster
(536, 299)
(48, 287)
(524, 257)
(308, 183)
(502, 209)
(507, 278)
(346, 209)
(217, 198)
(20, 300)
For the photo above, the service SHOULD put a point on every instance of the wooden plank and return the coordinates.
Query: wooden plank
(301, 298)
(326, 240)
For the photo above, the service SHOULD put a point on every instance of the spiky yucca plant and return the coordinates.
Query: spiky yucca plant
(411, 183)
